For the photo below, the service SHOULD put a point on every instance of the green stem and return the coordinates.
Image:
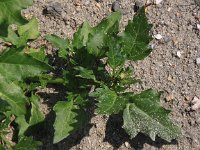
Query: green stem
(56, 81)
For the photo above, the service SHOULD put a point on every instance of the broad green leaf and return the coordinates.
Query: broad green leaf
(27, 32)
(68, 119)
(94, 38)
(15, 65)
(24, 33)
(13, 95)
(10, 13)
(115, 57)
(36, 115)
(38, 54)
(62, 44)
(144, 114)
(30, 30)
(97, 39)
(22, 124)
(81, 36)
(12, 37)
(135, 39)
(108, 101)
(85, 73)
(27, 143)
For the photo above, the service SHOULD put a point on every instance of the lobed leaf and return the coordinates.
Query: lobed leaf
(85, 73)
(24, 33)
(108, 101)
(27, 143)
(62, 44)
(35, 117)
(36, 114)
(15, 65)
(69, 118)
(135, 38)
(13, 95)
(38, 54)
(94, 38)
(27, 32)
(145, 115)
(114, 54)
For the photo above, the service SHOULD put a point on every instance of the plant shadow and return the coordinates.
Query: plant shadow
(46, 132)
(116, 136)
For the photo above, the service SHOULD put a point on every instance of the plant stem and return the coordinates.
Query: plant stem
(56, 81)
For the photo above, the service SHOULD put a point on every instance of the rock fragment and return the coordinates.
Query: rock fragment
(198, 61)
(158, 1)
(115, 6)
(127, 144)
(196, 103)
(170, 97)
(178, 54)
(137, 6)
(158, 36)
(54, 9)
(198, 26)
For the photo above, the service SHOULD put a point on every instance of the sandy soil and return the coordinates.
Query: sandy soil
(171, 68)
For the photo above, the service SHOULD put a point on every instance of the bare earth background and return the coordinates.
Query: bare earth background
(171, 68)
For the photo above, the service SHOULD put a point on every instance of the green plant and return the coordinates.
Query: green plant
(18, 63)
(94, 71)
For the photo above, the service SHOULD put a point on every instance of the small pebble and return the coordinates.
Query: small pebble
(169, 9)
(127, 144)
(198, 61)
(167, 39)
(115, 6)
(158, 2)
(198, 26)
(152, 46)
(178, 54)
(137, 6)
(170, 97)
(158, 36)
(87, 2)
(196, 103)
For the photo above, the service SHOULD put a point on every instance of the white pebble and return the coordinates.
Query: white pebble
(198, 26)
(178, 53)
(158, 36)
(158, 1)
(169, 9)
(196, 103)
(127, 144)
(198, 61)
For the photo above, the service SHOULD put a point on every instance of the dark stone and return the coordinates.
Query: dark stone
(99, 1)
(115, 6)
(54, 9)
(137, 6)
